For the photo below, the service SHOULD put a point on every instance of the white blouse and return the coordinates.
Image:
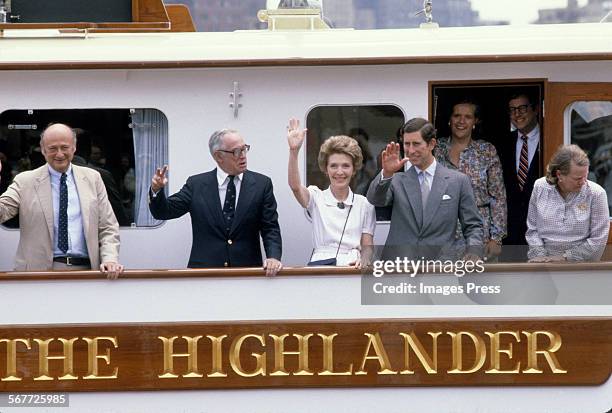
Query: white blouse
(328, 221)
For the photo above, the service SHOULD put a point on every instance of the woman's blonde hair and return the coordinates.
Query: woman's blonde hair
(562, 161)
(341, 144)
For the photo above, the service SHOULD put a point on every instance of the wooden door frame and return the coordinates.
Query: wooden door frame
(558, 97)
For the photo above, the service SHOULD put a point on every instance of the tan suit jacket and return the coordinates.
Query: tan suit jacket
(30, 196)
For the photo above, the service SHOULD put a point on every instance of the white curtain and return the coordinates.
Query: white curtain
(150, 130)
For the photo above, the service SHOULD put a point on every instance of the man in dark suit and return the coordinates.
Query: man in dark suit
(230, 208)
(428, 199)
(520, 157)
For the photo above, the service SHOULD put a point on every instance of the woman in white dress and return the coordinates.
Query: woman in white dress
(343, 222)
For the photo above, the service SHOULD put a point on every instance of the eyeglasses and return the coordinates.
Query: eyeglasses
(522, 109)
(238, 151)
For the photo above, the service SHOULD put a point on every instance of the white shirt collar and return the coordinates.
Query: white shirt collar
(431, 169)
(330, 199)
(57, 174)
(533, 136)
(222, 176)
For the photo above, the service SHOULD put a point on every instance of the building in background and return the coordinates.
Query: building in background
(395, 14)
(593, 11)
(224, 15)
(229, 15)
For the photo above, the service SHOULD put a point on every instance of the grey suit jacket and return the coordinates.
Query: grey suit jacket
(451, 198)
(30, 196)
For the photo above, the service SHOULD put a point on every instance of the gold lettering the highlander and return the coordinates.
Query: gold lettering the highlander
(11, 357)
(217, 357)
(44, 357)
(260, 367)
(328, 358)
(457, 349)
(411, 341)
(495, 351)
(169, 355)
(532, 352)
(381, 356)
(280, 353)
(93, 357)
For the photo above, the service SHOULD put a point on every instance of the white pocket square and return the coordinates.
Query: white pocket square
(445, 197)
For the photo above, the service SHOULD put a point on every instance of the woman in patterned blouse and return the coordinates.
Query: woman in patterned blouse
(477, 159)
(568, 218)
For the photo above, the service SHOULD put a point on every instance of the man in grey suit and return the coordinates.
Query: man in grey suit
(428, 198)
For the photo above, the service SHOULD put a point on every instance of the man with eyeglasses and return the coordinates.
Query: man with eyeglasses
(230, 208)
(520, 157)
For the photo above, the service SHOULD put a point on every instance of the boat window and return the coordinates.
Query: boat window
(590, 127)
(124, 145)
(373, 126)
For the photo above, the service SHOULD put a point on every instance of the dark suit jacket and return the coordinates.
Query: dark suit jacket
(518, 201)
(212, 246)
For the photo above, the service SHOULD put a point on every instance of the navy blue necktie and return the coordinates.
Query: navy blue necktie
(62, 236)
(229, 206)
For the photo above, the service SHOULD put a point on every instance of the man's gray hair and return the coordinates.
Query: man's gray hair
(72, 130)
(562, 161)
(216, 139)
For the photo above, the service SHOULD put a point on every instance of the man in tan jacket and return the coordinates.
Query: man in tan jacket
(65, 218)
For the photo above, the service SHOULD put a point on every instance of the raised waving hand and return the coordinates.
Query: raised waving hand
(295, 135)
(391, 161)
(159, 180)
(295, 139)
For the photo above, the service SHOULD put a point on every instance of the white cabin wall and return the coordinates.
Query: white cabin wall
(196, 102)
(287, 298)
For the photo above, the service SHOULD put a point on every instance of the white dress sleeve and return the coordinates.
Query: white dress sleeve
(315, 194)
(369, 218)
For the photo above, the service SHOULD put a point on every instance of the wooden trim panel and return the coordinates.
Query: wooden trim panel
(559, 95)
(180, 18)
(290, 354)
(518, 268)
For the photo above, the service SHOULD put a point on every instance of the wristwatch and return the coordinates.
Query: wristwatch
(566, 255)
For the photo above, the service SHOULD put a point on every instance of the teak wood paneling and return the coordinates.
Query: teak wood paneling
(583, 357)
(151, 11)
(559, 95)
(180, 18)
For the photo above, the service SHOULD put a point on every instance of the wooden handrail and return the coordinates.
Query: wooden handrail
(518, 268)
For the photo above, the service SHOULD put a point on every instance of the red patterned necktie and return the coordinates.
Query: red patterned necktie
(523, 168)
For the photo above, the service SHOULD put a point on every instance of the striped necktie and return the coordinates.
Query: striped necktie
(523, 168)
